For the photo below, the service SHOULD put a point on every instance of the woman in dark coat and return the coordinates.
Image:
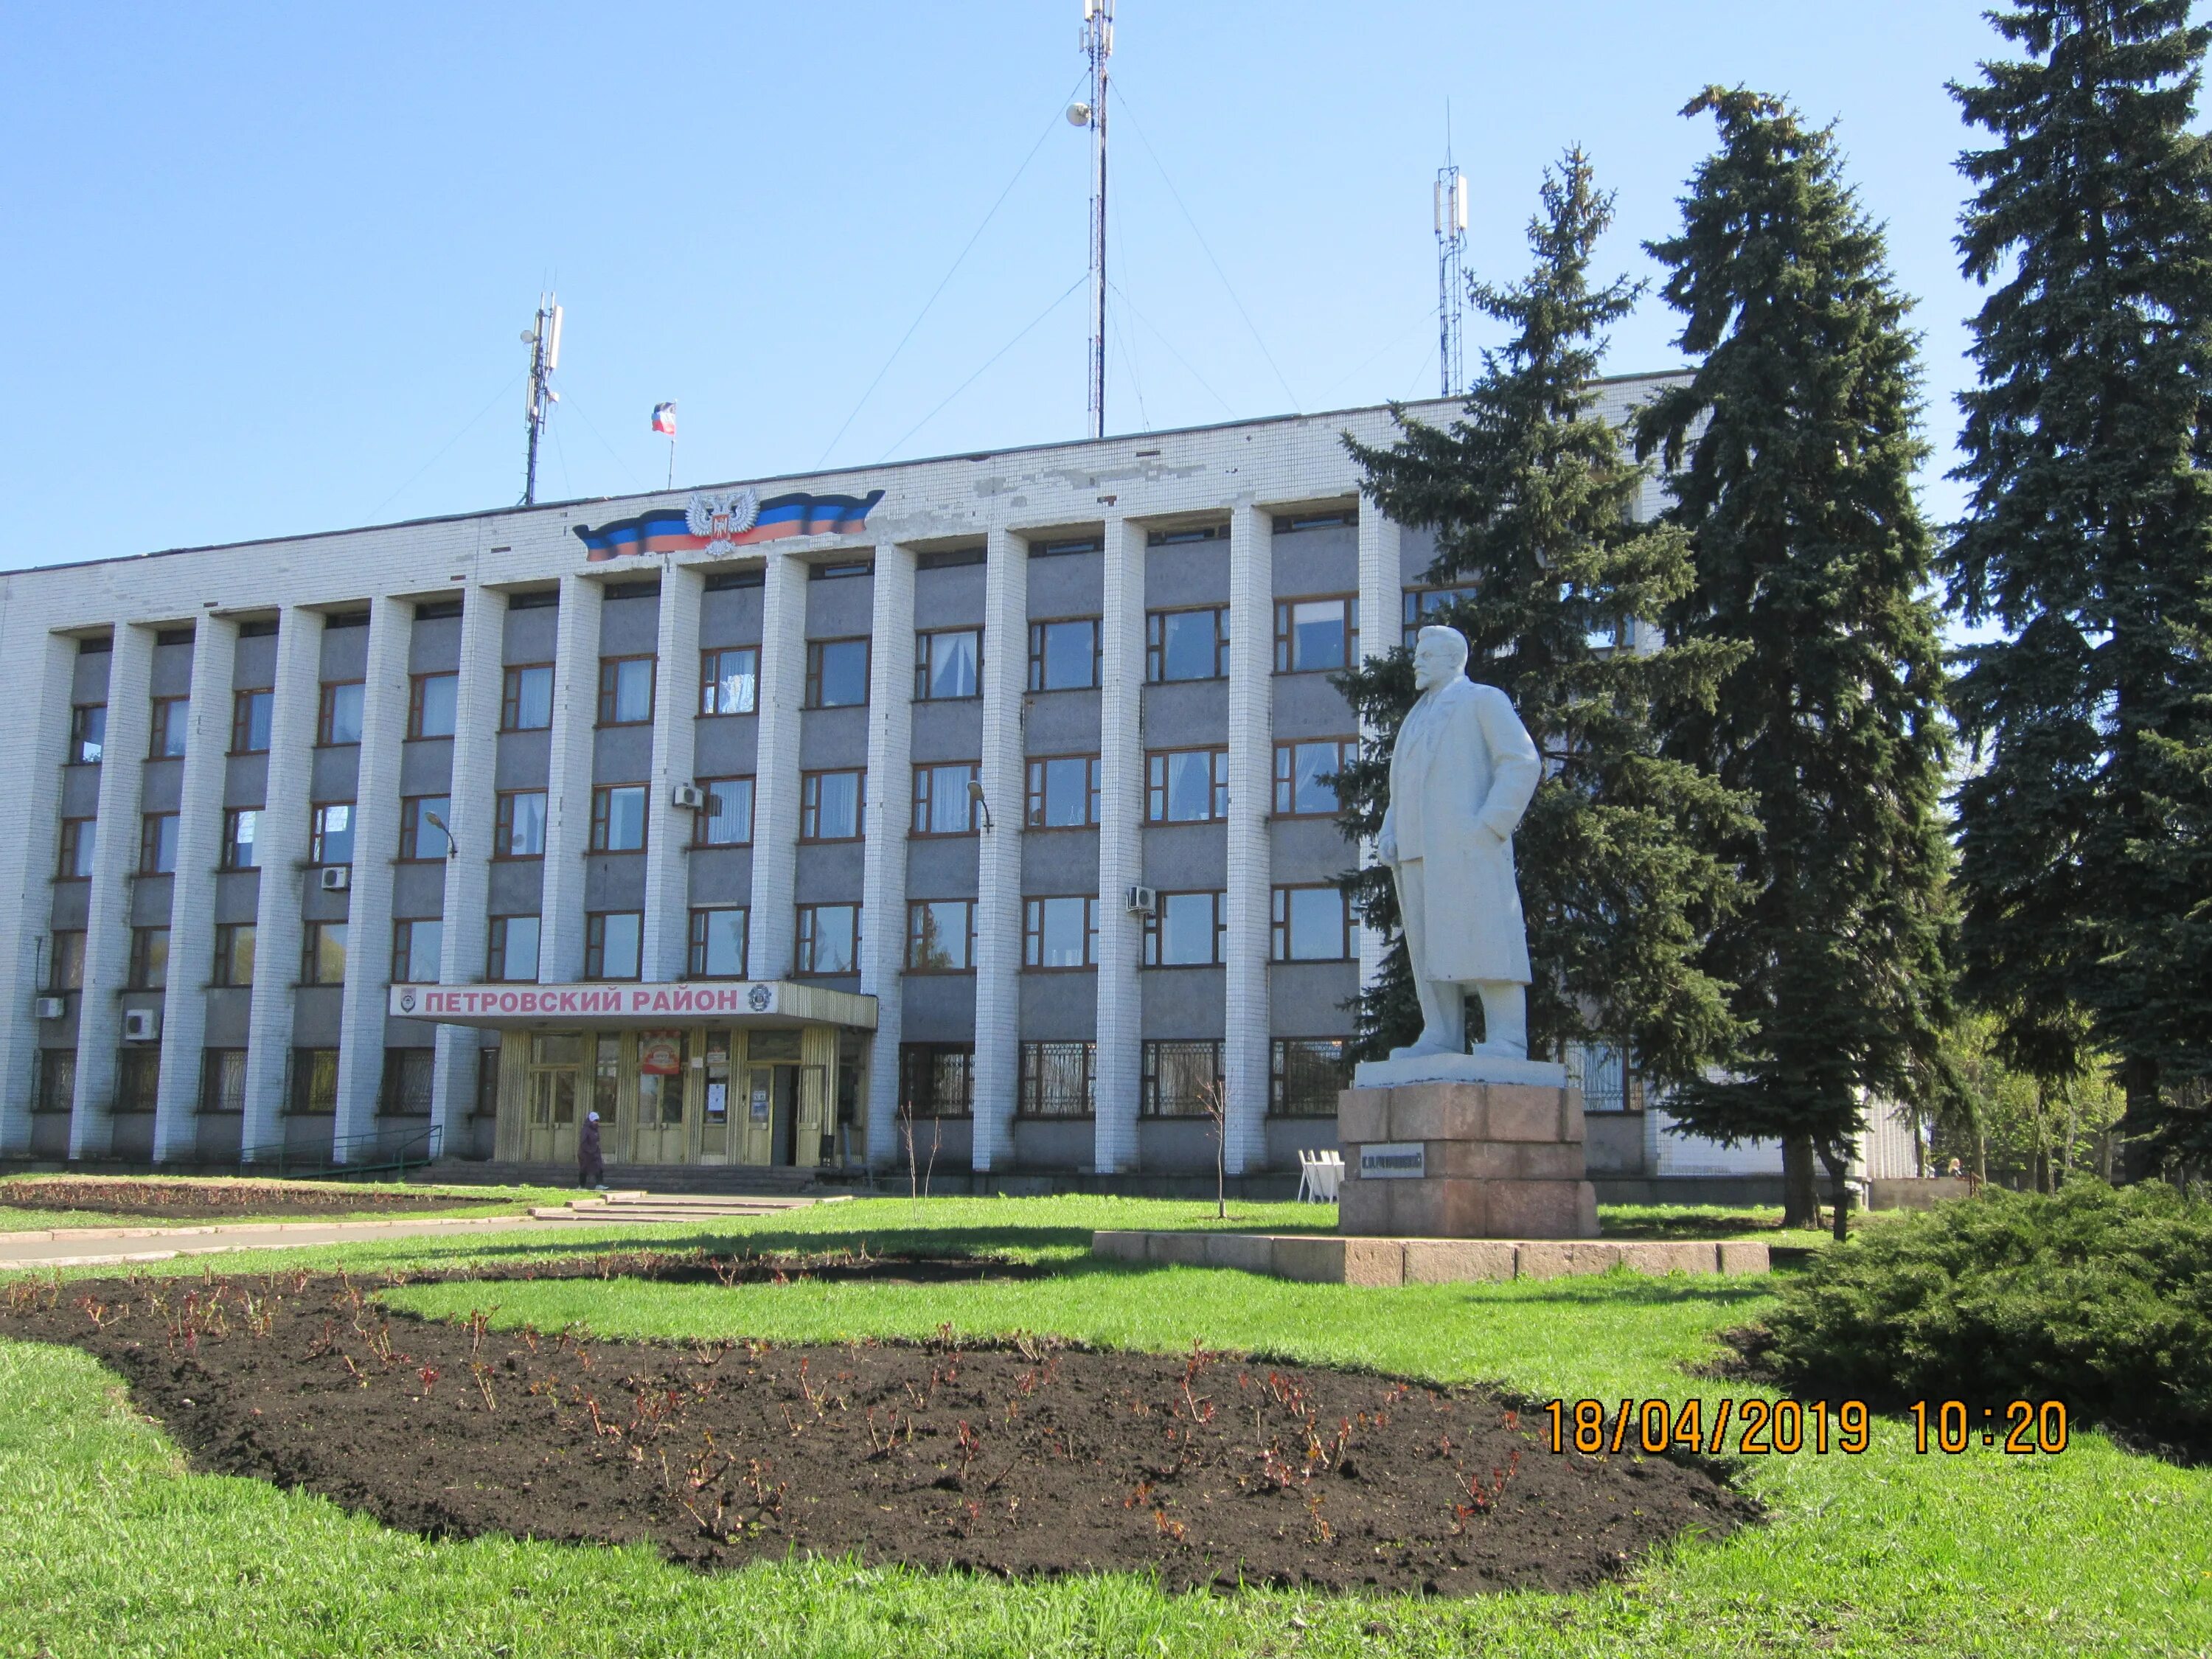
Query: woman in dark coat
(591, 1167)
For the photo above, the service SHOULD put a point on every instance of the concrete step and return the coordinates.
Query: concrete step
(633, 1205)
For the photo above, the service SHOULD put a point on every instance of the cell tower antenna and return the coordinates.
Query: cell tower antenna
(1451, 248)
(1099, 46)
(542, 337)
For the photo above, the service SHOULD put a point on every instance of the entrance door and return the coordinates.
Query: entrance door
(811, 1133)
(717, 1107)
(662, 1131)
(549, 1119)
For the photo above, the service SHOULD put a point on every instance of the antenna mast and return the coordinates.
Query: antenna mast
(1099, 46)
(1451, 286)
(542, 337)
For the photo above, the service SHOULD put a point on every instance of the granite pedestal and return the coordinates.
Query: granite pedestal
(1463, 1146)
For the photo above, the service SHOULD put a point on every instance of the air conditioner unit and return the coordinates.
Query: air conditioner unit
(52, 1007)
(336, 877)
(689, 795)
(141, 1024)
(1140, 900)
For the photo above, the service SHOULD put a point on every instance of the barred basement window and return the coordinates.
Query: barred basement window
(1177, 1075)
(1306, 1073)
(57, 1080)
(937, 1079)
(1059, 1079)
(138, 1078)
(407, 1091)
(314, 1081)
(222, 1080)
(1602, 1073)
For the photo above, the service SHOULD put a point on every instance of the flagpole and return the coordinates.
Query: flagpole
(671, 460)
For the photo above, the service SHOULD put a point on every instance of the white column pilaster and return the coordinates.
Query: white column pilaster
(1120, 848)
(1244, 1056)
(675, 727)
(775, 769)
(568, 778)
(191, 897)
(30, 830)
(889, 817)
(468, 871)
(281, 839)
(1379, 627)
(107, 916)
(999, 873)
(368, 895)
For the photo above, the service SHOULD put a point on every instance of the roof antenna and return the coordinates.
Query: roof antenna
(1451, 246)
(543, 339)
(1098, 45)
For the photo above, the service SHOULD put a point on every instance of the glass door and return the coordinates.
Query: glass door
(550, 1122)
(715, 1105)
(661, 1134)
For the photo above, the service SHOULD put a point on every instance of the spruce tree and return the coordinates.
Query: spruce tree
(2085, 840)
(1791, 449)
(1530, 493)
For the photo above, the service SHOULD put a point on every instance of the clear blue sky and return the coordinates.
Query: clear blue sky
(266, 265)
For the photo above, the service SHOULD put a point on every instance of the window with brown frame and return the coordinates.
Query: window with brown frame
(337, 721)
(626, 690)
(1305, 775)
(829, 804)
(1312, 635)
(250, 713)
(433, 704)
(525, 697)
(943, 804)
(1063, 792)
(836, 673)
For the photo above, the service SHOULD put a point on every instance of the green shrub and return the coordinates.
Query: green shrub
(2099, 1299)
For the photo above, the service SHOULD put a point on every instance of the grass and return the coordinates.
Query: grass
(108, 1546)
(25, 1218)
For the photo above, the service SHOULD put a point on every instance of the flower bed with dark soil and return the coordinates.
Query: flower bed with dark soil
(1035, 1456)
(170, 1199)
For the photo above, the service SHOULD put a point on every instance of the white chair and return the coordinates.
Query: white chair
(1318, 1176)
(1331, 1173)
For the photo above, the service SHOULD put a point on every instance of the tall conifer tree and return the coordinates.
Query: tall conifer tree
(1530, 494)
(2085, 858)
(1792, 448)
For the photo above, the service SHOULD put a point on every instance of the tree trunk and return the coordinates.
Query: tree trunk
(2138, 1158)
(1839, 1169)
(1801, 1192)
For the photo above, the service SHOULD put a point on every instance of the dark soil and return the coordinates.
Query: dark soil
(225, 1200)
(1211, 1468)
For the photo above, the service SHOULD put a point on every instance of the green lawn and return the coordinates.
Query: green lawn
(107, 1547)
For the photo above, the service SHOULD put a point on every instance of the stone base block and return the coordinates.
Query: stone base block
(1325, 1259)
(1448, 1207)
(1489, 1159)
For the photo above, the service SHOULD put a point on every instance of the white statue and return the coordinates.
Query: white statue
(1461, 773)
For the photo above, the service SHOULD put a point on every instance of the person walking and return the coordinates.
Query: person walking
(591, 1164)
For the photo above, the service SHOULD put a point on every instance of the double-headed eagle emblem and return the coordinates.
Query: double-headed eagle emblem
(721, 516)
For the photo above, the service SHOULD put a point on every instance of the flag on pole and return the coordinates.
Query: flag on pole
(664, 419)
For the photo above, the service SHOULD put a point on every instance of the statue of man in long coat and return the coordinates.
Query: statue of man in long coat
(1461, 773)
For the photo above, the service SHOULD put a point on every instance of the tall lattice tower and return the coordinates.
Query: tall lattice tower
(1451, 284)
(1097, 46)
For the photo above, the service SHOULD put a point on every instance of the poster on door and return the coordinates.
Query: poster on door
(760, 1102)
(659, 1054)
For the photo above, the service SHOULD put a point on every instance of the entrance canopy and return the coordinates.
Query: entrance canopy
(631, 1004)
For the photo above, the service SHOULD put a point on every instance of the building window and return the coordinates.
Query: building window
(1179, 1076)
(937, 1079)
(525, 697)
(338, 721)
(323, 953)
(729, 680)
(150, 958)
(1305, 1074)
(718, 942)
(519, 824)
(1186, 786)
(241, 849)
(1059, 1079)
(79, 838)
(138, 1078)
(433, 701)
(56, 1080)
(1064, 655)
(233, 953)
(408, 1082)
(836, 673)
(626, 690)
(172, 716)
(157, 844)
(943, 803)
(513, 956)
(250, 712)
(1189, 930)
(1602, 1073)
(726, 820)
(87, 733)
(948, 665)
(1186, 645)
(618, 818)
(1059, 932)
(1063, 792)
(1305, 776)
(829, 805)
(614, 944)
(330, 841)
(417, 943)
(65, 972)
(419, 837)
(1311, 635)
(222, 1080)
(829, 938)
(314, 1080)
(1315, 924)
(940, 936)
(1424, 605)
